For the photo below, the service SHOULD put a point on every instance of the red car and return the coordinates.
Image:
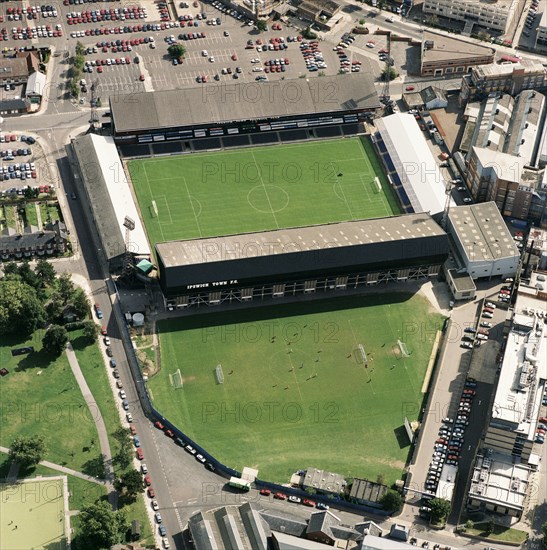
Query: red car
(280, 496)
(409, 88)
(147, 481)
(308, 502)
(151, 492)
(159, 425)
(140, 454)
(133, 430)
(169, 433)
(103, 331)
(141, 78)
(265, 492)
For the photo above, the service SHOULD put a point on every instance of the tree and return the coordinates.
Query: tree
(55, 339)
(544, 531)
(176, 50)
(11, 268)
(74, 88)
(101, 527)
(27, 451)
(65, 287)
(469, 524)
(432, 20)
(91, 331)
(389, 73)
(484, 36)
(261, 26)
(125, 455)
(46, 272)
(392, 501)
(80, 50)
(28, 276)
(440, 508)
(20, 310)
(80, 303)
(54, 307)
(130, 482)
(490, 526)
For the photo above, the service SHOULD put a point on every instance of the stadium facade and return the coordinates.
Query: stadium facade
(306, 260)
(239, 108)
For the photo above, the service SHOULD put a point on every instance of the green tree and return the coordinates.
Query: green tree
(27, 451)
(432, 20)
(101, 527)
(389, 73)
(261, 25)
(440, 508)
(392, 501)
(130, 482)
(176, 50)
(469, 524)
(80, 303)
(80, 50)
(55, 339)
(90, 331)
(79, 61)
(11, 268)
(74, 88)
(544, 531)
(490, 526)
(124, 455)
(54, 307)
(46, 272)
(65, 287)
(20, 310)
(28, 276)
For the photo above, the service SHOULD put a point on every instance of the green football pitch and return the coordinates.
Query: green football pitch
(296, 391)
(260, 189)
(32, 515)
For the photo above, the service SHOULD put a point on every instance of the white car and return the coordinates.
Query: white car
(204, 53)
(129, 417)
(257, 69)
(122, 394)
(106, 341)
(144, 470)
(165, 543)
(155, 505)
(490, 304)
(212, 59)
(297, 500)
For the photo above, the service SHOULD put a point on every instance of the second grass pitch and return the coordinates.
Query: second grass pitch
(296, 390)
(259, 189)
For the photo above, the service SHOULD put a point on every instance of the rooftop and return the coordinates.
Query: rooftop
(498, 481)
(421, 179)
(110, 195)
(482, 232)
(498, 70)
(221, 103)
(284, 241)
(517, 398)
(445, 488)
(537, 239)
(13, 68)
(363, 489)
(503, 165)
(446, 47)
(323, 480)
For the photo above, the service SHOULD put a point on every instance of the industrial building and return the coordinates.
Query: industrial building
(286, 262)
(483, 245)
(112, 209)
(442, 55)
(221, 115)
(511, 79)
(410, 165)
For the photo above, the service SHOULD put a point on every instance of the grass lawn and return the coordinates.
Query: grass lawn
(304, 398)
(500, 534)
(258, 189)
(31, 215)
(40, 396)
(9, 213)
(92, 366)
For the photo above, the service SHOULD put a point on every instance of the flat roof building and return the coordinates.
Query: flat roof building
(443, 54)
(323, 481)
(367, 492)
(512, 79)
(483, 242)
(498, 485)
(410, 164)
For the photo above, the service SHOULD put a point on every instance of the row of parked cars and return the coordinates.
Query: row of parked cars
(21, 171)
(112, 14)
(293, 498)
(476, 336)
(541, 430)
(312, 56)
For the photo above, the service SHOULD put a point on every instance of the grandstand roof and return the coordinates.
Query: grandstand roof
(300, 239)
(109, 195)
(222, 103)
(414, 162)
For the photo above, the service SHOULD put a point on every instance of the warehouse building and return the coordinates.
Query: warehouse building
(222, 115)
(410, 165)
(483, 244)
(112, 208)
(305, 260)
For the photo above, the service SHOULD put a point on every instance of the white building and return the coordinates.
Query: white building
(483, 242)
(491, 15)
(411, 166)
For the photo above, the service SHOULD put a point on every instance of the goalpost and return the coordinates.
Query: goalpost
(403, 348)
(176, 380)
(154, 209)
(377, 185)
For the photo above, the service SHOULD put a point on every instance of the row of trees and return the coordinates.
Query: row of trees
(75, 72)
